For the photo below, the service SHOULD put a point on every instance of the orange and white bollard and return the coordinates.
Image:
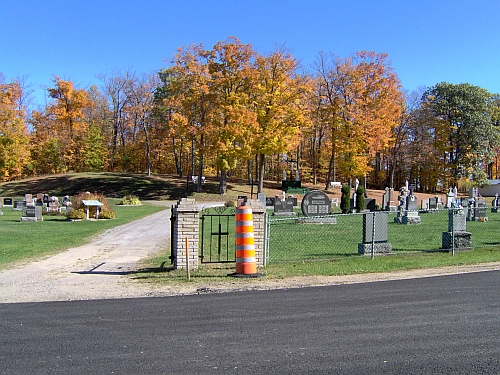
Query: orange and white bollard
(245, 247)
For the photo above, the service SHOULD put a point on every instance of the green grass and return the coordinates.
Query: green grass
(292, 241)
(158, 269)
(29, 240)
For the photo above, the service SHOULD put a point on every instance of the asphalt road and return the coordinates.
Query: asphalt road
(438, 325)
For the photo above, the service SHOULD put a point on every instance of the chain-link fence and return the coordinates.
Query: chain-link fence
(300, 238)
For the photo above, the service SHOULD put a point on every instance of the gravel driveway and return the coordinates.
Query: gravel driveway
(98, 270)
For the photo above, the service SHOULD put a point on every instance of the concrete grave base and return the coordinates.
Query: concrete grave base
(316, 220)
(29, 219)
(462, 241)
(378, 248)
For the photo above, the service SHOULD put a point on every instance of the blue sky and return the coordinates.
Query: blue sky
(428, 41)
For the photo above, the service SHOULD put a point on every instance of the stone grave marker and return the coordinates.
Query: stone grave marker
(371, 204)
(262, 198)
(495, 203)
(18, 205)
(480, 210)
(284, 207)
(375, 234)
(316, 203)
(32, 213)
(7, 202)
(28, 198)
(270, 201)
(457, 234)
(386, 199)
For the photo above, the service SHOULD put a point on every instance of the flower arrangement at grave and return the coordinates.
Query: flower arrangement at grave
(78, 210)
(130, 200)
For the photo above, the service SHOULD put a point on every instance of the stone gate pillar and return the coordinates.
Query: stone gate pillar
(259, 229)
(187, 224)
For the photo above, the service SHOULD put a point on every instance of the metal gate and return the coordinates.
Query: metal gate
(217, 235)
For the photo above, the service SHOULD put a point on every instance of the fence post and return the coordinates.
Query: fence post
(453, 231)
(373, 236)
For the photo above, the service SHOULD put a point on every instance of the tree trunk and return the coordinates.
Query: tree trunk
(262, 159)
(200, 166)
(223, 182)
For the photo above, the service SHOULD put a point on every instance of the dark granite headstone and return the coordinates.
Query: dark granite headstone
(371, 204)
(18, 205)
(480, 210)
(283, 207)
(316, 203)
(7, 201)
(270, 201)
(433, 203)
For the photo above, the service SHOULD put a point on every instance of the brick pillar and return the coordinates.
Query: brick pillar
(259, 229)
(187, 224)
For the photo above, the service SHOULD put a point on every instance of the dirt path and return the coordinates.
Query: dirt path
(92, 271)
(98, 270)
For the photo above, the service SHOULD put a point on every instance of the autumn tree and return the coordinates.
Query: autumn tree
(466, 113)
(231, 74)
(187, 97)
(361, 102)
(14, 138)
(60, 133)
(278, 98)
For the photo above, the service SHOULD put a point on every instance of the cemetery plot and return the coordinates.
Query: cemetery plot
(289, 241)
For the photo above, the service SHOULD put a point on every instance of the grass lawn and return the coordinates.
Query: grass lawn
(29, 240)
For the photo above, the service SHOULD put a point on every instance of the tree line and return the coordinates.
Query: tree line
(231, 111)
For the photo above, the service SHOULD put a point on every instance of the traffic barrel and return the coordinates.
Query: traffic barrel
(245, 246)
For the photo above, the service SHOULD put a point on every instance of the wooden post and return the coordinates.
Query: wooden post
(187, 260)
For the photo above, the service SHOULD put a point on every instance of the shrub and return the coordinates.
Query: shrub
(345, 200)
(130, 200)
(77, 205)
(360, 199)
(107, 215)
(78, 214)
(230, 204)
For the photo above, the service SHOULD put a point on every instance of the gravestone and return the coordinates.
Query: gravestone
(284, 207)
(457, 234)
(316, 203)
(480, 210)
(53, 206)
(32, 213)
(270, 201)
(371, 204)
(18, 205)
(262, 198)
(477, 210)
(7, 202)
(375, 234)
(495, 203)
(28, 199)
(39, 198)
(450, 198)
(385, 199)
(407, 209)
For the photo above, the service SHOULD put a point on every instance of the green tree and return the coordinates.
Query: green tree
(466, 112)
